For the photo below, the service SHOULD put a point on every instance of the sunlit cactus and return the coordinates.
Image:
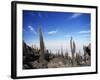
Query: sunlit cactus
(42, 58)
(73, 48)
(42, 46)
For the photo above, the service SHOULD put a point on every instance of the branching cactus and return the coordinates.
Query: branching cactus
(73, 48)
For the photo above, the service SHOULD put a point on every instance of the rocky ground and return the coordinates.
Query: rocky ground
(32, 59)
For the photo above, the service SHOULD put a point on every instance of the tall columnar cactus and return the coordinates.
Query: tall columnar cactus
(84, 49)
(73, 48)
(61, 52)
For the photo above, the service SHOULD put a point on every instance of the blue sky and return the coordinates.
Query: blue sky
(57, 28)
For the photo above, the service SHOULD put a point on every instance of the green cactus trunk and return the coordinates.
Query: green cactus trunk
(73, 48)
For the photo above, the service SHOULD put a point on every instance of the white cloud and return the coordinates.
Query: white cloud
(75, 15)
(83, 32)
(32, 29)
(52, 32)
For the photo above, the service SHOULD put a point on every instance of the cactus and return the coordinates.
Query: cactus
(73, 48)
(66, 55)
(61, 53)
(78, 58)
(84, 53)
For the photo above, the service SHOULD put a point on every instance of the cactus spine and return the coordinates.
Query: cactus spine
(73, 48)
